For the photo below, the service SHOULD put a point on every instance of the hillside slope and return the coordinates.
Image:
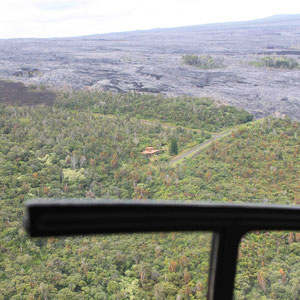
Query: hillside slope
(67, 152)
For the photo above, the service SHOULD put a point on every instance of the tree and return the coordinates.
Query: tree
(174, 146)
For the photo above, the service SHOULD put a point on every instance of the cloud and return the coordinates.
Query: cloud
(49, 18)
(58, 5)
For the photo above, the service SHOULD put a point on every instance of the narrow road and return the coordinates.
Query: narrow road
(196, 150)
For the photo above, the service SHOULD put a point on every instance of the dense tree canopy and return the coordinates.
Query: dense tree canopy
(69, 151)
(197, 113)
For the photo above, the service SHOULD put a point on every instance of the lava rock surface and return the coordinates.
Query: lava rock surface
(151, 62)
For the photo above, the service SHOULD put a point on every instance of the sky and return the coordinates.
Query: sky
(66, 18)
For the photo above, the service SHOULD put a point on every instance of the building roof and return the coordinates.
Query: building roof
(150, 151)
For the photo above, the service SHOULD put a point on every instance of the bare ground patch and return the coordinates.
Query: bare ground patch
(16, 93)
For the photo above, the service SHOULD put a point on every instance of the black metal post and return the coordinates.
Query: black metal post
(224, 254)
(228, 222)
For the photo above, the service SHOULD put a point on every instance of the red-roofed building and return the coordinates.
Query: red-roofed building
(150, 151)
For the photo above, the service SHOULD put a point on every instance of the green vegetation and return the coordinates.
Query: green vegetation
(258, 162)
(76, 148)
(174, 147)
(269, 266)
(69, 151)
(62, 153)
(277, 62)
(295, 45)
(197, 113)
(204, 62)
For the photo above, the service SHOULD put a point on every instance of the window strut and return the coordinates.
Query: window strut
(228, 222)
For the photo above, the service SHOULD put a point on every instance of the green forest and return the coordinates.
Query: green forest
(89, 144)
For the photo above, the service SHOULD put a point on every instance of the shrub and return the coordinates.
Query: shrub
(201, 62)
(280, 62)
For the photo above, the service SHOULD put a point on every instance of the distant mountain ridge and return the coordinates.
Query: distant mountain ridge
(270, 19)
